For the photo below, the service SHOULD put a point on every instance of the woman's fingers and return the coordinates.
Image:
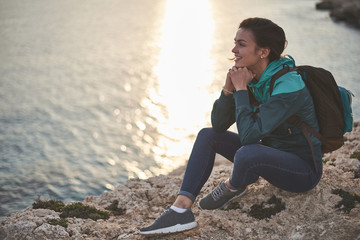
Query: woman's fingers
(241, 77)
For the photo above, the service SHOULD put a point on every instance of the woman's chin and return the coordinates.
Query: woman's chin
(238, 65)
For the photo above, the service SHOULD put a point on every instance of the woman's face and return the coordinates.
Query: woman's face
(247, 53)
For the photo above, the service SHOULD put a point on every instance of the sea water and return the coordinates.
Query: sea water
(93, 93)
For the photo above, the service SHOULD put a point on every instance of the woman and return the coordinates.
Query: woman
(266, 145)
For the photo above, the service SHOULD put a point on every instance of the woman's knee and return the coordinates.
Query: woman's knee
(246, 154)
(206, 134)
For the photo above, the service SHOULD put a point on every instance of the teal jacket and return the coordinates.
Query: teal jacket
(268, 125)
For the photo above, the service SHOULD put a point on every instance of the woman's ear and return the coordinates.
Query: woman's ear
(264, 52)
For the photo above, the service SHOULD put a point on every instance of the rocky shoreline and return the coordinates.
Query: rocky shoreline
(310, 215)
(342, 10)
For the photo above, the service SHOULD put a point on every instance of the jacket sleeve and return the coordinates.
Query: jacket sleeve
(254, 127)
(223, 113)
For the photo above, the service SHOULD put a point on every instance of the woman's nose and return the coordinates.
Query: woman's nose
(234, 49)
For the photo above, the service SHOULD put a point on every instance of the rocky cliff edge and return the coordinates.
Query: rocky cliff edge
(321, 213)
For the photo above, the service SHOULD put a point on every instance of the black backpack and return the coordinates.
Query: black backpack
(330, 101)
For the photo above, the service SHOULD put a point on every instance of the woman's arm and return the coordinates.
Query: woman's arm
(254, 127)
(223, 112)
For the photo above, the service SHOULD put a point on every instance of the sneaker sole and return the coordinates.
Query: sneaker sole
(172, 229)
(227, 203)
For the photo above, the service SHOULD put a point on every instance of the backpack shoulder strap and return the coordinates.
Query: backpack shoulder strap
(277, 75)
(306, 129)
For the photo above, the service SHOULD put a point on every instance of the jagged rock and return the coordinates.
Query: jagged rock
(325, 5)
(310, 215)
(342, 10)
(47, 231)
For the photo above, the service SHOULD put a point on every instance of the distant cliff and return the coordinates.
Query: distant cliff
(329, 211)
(342, 10)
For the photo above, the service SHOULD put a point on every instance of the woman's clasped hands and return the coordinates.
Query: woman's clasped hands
(240, 77)
(237, 79)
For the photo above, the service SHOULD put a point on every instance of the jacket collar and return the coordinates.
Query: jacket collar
(271, 69)
(260, 89)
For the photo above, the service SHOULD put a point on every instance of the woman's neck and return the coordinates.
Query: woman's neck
(259, 68)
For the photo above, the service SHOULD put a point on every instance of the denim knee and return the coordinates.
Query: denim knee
(243, 161)
(206, 133)
(245, 155)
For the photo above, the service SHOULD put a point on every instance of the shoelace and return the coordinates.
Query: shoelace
(217, 193)
(164, 213)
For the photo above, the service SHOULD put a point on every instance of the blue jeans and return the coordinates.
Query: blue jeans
(284, 170)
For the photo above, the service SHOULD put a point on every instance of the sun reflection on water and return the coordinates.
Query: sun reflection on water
(184, 71)
(179, 101)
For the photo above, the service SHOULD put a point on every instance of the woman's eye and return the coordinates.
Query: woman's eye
(239, 44)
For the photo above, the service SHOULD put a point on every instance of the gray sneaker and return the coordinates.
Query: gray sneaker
(170, 222)
(220, 197)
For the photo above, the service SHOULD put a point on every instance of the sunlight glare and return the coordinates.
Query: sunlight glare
(185, 72)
